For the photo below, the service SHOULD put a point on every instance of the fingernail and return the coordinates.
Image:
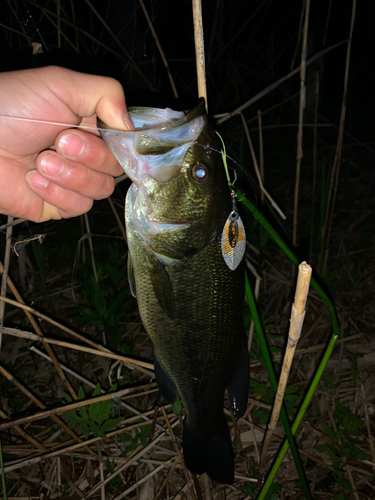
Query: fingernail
(36, 180)
(51, 165)
(128, 122)
(72, 145)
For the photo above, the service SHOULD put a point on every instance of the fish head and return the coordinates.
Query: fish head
(179, 198)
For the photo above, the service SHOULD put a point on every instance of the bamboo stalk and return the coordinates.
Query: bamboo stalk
(296, 323)
(160, 49)
(301, 411)
(199, 50)
(302, 104)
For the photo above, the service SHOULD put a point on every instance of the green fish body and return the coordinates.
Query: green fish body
(189, 300)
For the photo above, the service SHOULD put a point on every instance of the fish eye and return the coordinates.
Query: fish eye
(200, 172)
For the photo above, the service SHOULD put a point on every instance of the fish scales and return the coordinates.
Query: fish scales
(189, 300)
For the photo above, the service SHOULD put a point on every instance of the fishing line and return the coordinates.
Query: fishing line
(234, 170)
(96, 128)
(68, 125)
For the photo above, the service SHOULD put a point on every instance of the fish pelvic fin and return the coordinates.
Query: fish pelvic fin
(210, 453)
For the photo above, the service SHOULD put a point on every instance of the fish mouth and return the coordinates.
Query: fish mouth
(159, 143)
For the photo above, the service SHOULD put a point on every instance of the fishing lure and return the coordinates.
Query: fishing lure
(233, 238)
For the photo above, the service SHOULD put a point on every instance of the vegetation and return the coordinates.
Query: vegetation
(92, 422)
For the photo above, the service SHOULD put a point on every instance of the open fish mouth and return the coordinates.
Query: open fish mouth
(157, 146)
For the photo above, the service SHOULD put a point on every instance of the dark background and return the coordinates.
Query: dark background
(249, 44)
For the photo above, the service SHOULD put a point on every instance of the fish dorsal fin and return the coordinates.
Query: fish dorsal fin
(131, 277)
(162, 286)
(238, 387)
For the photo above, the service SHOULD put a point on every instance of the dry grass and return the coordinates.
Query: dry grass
(141, 457)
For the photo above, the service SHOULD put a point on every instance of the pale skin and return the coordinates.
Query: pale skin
(36, 182)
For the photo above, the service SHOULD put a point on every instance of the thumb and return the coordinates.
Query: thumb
(87, 94)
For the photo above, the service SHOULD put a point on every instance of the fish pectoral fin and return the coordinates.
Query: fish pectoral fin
(131, 277)
(162, 286)
(238, 387)
(166, 386)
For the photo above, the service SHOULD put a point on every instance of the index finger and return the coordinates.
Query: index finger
(87, 149)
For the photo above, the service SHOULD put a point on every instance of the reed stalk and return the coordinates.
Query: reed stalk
(296, 323)
(117, 217)
(302, 104)
(121, 46)
(256, 168)
(133, 363)
(87, 223)
(273, 382)
(160, 49)
(337, 161)
(4, 271)
(312, 220)
(276, 84)
(199, 50)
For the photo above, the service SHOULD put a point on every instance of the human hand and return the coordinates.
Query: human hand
(37, 183)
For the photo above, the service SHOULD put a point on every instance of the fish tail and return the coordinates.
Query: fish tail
(210, 453)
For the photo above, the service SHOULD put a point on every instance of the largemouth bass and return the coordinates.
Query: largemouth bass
(189, 300)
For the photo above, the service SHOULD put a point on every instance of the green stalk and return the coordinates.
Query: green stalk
(273, 380)
(289, 432)
(299, 416)
(283, 246)
(335, 335)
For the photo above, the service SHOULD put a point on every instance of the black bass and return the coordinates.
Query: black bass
(189, 300)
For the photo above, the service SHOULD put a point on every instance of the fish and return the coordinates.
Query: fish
(190, 301)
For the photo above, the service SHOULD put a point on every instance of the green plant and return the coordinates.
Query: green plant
(342, 448)
(139, 435)
(111, 469)
(96, 418)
